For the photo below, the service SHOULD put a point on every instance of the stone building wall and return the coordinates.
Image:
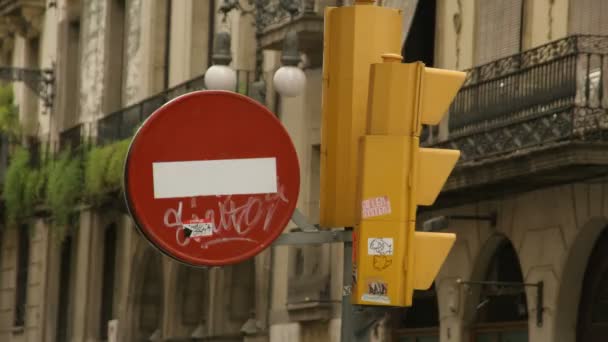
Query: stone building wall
(553, 232)
(92, 59)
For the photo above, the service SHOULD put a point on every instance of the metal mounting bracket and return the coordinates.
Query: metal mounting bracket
(539, 293)
(309, 234)
(40, 81)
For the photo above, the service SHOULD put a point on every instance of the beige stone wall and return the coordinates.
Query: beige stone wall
(552, 231)
(93, 59)
(454, 41)
(33, 330)
(189, 40)
(544, 21)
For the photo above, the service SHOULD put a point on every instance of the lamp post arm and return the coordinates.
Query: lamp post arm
(41, 81)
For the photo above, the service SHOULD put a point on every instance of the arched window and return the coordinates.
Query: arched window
(502, 312)
(593, 309)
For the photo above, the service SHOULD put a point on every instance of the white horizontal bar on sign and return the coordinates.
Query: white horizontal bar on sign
(214, 177)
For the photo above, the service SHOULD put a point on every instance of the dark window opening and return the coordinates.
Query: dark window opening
(167, 56)
(115, 46)
(424, 312)
(420, 42)
(72, 62)
(503, 304)
(419, 322)
(420, 46)
(107, 287)
(23, 262)
(63, 304)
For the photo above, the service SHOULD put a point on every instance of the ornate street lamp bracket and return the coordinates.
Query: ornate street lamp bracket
(539, 293)
(40, 81)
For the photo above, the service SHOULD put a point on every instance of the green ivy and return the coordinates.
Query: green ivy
(64, 188)
(104, 170)
(96, 166)
(17, 176)
(115, 173)
(34, 187)
(62, 182)
(9, 113)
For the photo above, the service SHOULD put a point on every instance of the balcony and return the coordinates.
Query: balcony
(71, 138)
(530, 120)
(22, 16)
(308, 23)
(123, 123)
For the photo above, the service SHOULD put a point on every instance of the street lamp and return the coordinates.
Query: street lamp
(289, 80)
(220, 76)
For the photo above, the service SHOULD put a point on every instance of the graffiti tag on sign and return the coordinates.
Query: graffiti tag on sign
(381, 249)
(232, 220)
(377, 291)
(376, 206)
(379, 246)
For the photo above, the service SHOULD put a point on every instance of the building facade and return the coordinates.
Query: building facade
(526, 201)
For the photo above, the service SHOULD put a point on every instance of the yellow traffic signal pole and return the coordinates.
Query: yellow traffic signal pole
(374, 174)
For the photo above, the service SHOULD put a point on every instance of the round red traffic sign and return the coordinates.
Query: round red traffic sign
(211, 178)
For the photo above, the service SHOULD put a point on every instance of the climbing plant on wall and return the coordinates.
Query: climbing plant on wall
(104, 170)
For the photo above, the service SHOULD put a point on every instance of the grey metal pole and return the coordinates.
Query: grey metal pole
(347, 329)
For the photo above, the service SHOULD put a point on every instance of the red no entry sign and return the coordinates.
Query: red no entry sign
(211, 178)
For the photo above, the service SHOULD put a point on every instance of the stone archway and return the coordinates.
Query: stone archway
(496, 312)
(592, 322)
(571, 282)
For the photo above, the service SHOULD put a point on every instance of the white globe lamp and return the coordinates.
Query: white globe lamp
(220, 76)
(290, 80)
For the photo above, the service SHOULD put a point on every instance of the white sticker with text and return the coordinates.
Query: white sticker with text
(198, 228)
(376, 206)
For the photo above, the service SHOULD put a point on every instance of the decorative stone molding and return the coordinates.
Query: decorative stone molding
(23, 17)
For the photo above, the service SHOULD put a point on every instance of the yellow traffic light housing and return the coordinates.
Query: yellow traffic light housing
(374, 173)
(355, 37)
(397, 175)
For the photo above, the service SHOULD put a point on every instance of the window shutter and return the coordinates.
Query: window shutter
(498, 29)
(586, 17)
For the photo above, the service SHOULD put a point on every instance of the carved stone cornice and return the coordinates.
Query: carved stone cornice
(7, 38)
(22, 17)
(308, 26)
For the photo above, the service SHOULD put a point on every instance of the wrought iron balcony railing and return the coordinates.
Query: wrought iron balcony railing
(71, 138)
(122, 124)
(556, 92)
